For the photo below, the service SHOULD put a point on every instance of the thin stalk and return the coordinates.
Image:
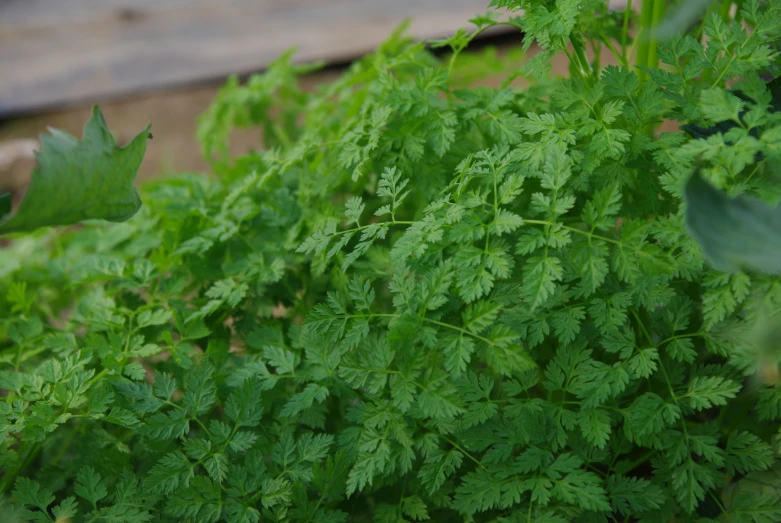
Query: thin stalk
(725, 10)
(643, 38)
(625, 33)
(628, 467)
(660, 7)
(572, 59)
(25, 459)
(651, 15)
(596, 47)
(620, 55)
(580, 54)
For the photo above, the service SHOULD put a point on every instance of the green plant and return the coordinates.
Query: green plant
(421, 300)
(77, 181)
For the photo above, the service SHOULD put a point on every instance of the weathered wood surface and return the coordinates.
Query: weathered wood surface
(173, 114)
(64, 52)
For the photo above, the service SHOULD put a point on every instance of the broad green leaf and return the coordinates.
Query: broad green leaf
(680, 18)
(80, 180)
(734, 233)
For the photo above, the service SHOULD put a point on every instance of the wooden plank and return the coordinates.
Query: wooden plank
(32, 13)
(173, 114)
(62, 52)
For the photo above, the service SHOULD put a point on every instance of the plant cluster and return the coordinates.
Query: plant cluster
(422, 299)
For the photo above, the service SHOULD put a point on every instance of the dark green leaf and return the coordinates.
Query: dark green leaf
(734, 233)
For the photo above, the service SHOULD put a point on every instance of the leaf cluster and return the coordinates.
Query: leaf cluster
(418, 300)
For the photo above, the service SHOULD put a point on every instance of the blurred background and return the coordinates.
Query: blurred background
(162, 61)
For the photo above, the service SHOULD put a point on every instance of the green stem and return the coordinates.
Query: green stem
(65, 445)
(660, 7)
(625, 33)
(651, 14)
(724, 12)
(619, 55)
(457, 50)
(580, 53)
(281, 134)
(628, 467)
(10, 477)
(643, 38)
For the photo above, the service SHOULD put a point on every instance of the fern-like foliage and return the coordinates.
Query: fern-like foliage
(421, 300)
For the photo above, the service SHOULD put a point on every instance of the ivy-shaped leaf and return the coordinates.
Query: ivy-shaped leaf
(80, 180)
